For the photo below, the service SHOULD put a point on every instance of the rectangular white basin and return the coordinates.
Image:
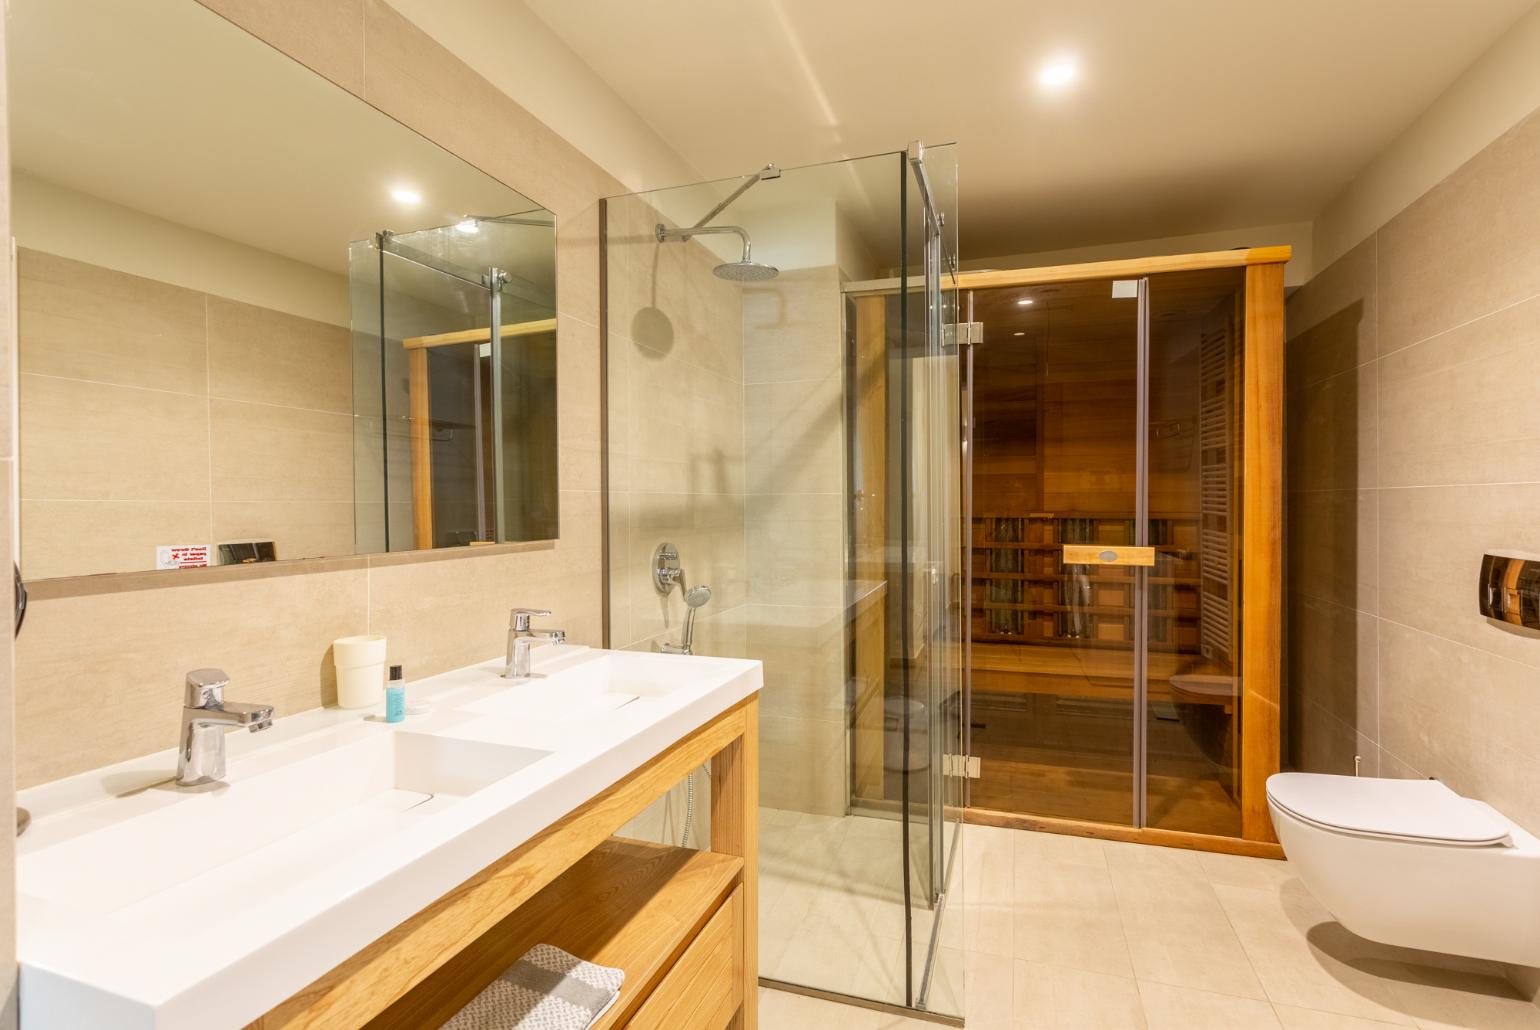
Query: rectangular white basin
(605, 684)
(213, 852)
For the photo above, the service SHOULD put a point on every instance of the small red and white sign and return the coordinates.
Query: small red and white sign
(182, 556)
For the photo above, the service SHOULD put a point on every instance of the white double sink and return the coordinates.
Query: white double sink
(145, 905)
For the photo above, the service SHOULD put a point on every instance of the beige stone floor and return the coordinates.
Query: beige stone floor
(1061, 932)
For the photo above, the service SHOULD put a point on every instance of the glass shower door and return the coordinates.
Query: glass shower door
(933, 548)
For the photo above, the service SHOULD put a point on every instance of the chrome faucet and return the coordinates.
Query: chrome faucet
(205, 717)
(522, 640)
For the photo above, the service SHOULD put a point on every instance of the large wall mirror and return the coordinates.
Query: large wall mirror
(258, 319)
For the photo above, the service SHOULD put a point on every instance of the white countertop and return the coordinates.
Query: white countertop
(143, 905)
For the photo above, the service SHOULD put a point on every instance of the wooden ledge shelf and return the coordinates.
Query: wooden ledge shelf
(628, 904)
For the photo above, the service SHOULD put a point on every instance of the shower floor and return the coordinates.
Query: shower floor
(831, 905)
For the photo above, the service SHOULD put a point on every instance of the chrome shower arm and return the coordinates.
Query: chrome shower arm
(769, 171)
(665, 234)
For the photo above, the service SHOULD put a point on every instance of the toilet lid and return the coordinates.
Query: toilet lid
(1406, 809)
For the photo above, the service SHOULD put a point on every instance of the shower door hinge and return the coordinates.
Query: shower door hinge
(965, 766)
(965, 334)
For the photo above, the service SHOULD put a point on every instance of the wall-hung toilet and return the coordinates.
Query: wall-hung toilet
(1412, 863)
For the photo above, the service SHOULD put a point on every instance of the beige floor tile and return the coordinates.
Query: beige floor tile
(1067, 915)
(1305, 958)
(1294, 1018)
(782, 1010)
(1052, 998)
(1180, 1008)
(989, 990)
(1443, 998)
(1177, 932)
(1242, 871)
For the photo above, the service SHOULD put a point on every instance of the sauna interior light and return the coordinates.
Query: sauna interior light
(405, 195)
(1024, 302)
(1018, 334)
(1057, 74)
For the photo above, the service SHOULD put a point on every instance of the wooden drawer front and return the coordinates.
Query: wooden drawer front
(705, 987)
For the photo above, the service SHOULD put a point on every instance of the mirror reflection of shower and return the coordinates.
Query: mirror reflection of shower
(666, 574)
(745, 269)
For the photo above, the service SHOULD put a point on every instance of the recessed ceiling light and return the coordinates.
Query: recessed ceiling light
(405, 195)
(469, 225)
(1024, 302)
(1058, 73)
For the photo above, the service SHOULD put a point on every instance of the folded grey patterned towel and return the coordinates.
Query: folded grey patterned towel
(547, 989)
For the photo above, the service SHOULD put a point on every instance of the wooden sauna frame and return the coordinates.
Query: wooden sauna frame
(1257, 743)
(1261, 537)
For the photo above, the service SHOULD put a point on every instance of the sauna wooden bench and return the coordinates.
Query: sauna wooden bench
(1082, 672)
(683, 924)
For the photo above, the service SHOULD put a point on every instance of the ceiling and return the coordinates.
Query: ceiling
(1187, 115)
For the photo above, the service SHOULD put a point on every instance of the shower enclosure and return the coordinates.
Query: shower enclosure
(802, 462)
(454, 384)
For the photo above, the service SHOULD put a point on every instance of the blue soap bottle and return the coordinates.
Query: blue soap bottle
(395, 696)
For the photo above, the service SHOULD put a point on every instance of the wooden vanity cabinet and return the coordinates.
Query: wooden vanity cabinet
(683, 924)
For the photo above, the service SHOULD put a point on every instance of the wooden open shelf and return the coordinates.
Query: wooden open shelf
(628, 904)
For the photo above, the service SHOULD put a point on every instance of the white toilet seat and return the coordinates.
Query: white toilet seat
(1411, 863)
(1418, 811)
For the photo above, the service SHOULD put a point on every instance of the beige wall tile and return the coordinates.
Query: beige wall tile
(792, 438)
(1334, 546)
(88, 441)
(1332, 325)
(81, 321)
(298, 529)
(443, 610)
(124, 654)
(257, 354)
(1467, 247)
(1331, 432)
(263, 452)
(326, 35)
(1462, 714)
(791, 327)
(1431, 543)
(795, 547)
(1334, 660)
(85, 538)
(1459, 408)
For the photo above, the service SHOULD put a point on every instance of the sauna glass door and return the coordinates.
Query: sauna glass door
(1106, 486)
(1192, 712)
(1056, 434)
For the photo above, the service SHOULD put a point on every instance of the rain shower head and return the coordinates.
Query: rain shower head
(745, 269)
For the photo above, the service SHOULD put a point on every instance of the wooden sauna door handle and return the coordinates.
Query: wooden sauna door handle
(1093, 554)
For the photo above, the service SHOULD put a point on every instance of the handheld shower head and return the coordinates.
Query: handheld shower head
(697, 596)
